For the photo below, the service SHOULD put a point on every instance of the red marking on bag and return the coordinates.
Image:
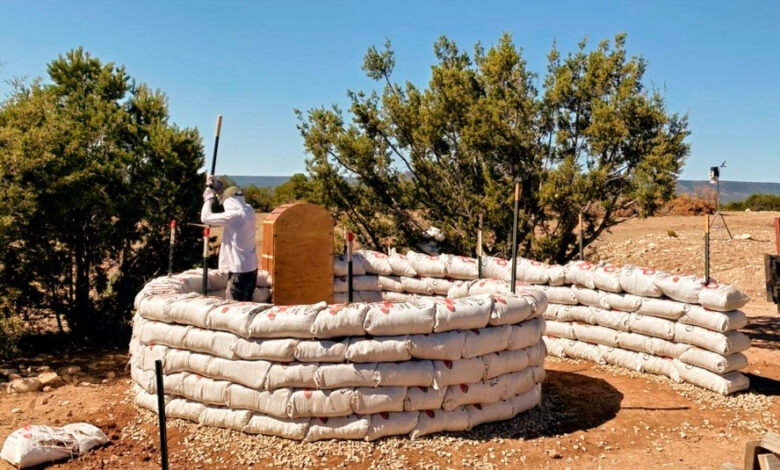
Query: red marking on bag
(464, 388)
(271, 315)
(307, 393)
(385, 415)
(430, 413)
(448, 364)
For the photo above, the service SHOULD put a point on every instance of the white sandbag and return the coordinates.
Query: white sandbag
(613, 319)
(428, 265)
(663, 308)
(459, 289)
(580, 273)
(557, 329)
(659, 366)
(261, 295)
(400, 265)
(388, 296)
(181, 408)
(606, 277)
(651, 326)
(248, 373)
(557, 274)
(287, 428)
(273, 402)
(681, 288)
(536, 354)
(346, 375)
(589, 297)
(623, 302)
(199, 363)
(339, 320)
(595, 334)
(148, 401)
(424, 398)
(309, 403)
(535, 297)
(462, 314)
(347, 427)
(725, 384)
(234, 317)
(216, 279)
(510, 309)
(485, 413)
(552, 312)
(520, 381)
(634, 342)
(531, 271)
(34, 445)
(148, 354)
(379, 349)
(486, 340)
(321, 350)
(216, 343)
(278, 350)
(526, 401)
(163, 333)
(155, 292)
(504, 362)
(461, 267)
(496, 268)
(263, 278)
(712, 320)
(405, 374)
(370, 400)
(722, 297)
(391, 424)
(390, 283)
(366, 282)
(484, 391)
(340, 266)
(581, 350)
(341, 298)
(416, 285)
(554, 346)
(294, 374)
(713, 361)
(225, 418)
(576, 313)
(282, 321)
(663, 348)
(390, 319)
(143, 378)
(439, 286)
(526, 334)
(441, 346)
(191, 282)
(367, 296)
(446, 373)
(373, 262)
(560, 295)
(621, 357)
(193, 311)
(640, 281)
(340, 285)
(722, 343)
(203, 390)
(432, 421)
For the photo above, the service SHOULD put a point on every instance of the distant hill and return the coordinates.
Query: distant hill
(729, 190)
(259, 181)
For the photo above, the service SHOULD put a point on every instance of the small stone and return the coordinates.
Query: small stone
(16, 410)
(50, 379)
(70, 370)
(47, 388)
(29, 384)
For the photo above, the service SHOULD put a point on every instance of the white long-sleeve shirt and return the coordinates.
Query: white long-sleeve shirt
(237, 253)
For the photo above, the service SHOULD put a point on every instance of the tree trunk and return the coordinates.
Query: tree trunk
(80, 313)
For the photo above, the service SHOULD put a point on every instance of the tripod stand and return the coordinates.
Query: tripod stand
(719, 216)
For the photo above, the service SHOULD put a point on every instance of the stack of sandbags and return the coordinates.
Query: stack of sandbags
(191, 281)
(358, 371)
(636, 317)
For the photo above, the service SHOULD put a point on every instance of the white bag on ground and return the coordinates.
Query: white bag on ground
(621, 357)
(554, 346)
(681, 288)
(272, 402)
(225, 418)
(347, 427)
(391, 424)
(724, 384)
(640, 281)
(319, 403)
(180, 408)
(35, 445)
(287, 428)
(722, 298)
(721, 343)
(484, 413)
(431, 421)
(712, 320)
(713, 361)
(526, 401)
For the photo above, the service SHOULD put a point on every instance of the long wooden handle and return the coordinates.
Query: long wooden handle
(219, 124)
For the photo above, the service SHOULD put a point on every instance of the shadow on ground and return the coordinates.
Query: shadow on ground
(764, 332)
(764, 385)
(570, 402)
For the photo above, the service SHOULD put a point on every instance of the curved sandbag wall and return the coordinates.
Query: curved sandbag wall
(358, 371)
(633, 317)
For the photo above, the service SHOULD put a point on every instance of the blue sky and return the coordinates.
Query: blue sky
(254, 62)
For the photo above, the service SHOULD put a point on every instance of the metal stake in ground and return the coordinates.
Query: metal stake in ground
(582, 251)
(514, 235)
(161, 414)
(350, 237)
(706, 248)
(170, 249)
(479, 249)
(206, 234)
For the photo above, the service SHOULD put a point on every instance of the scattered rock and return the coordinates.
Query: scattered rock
(16, 410)
(14, 377)
(70, 370)
(50, 379)
(8, 372)
(111, 375)
(29, 384)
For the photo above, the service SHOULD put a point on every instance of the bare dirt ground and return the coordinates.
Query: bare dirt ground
(592, 416)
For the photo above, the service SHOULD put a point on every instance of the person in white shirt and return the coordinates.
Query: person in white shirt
(237, 254)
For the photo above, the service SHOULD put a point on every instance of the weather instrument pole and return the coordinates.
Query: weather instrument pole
(158, 371)
(514, 234)
(715, 179)
(206, 231)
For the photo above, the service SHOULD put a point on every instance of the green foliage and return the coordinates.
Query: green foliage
(592, 140)
(261, 199)
(297, 188)
(11, 331)
(93, 172)
(756, 202)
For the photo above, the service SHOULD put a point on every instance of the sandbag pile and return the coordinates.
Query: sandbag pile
(191, 281)
(635, 317)
(358, 371)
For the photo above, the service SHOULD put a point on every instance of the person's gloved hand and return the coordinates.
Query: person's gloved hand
(214, 183)
(209, 194)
